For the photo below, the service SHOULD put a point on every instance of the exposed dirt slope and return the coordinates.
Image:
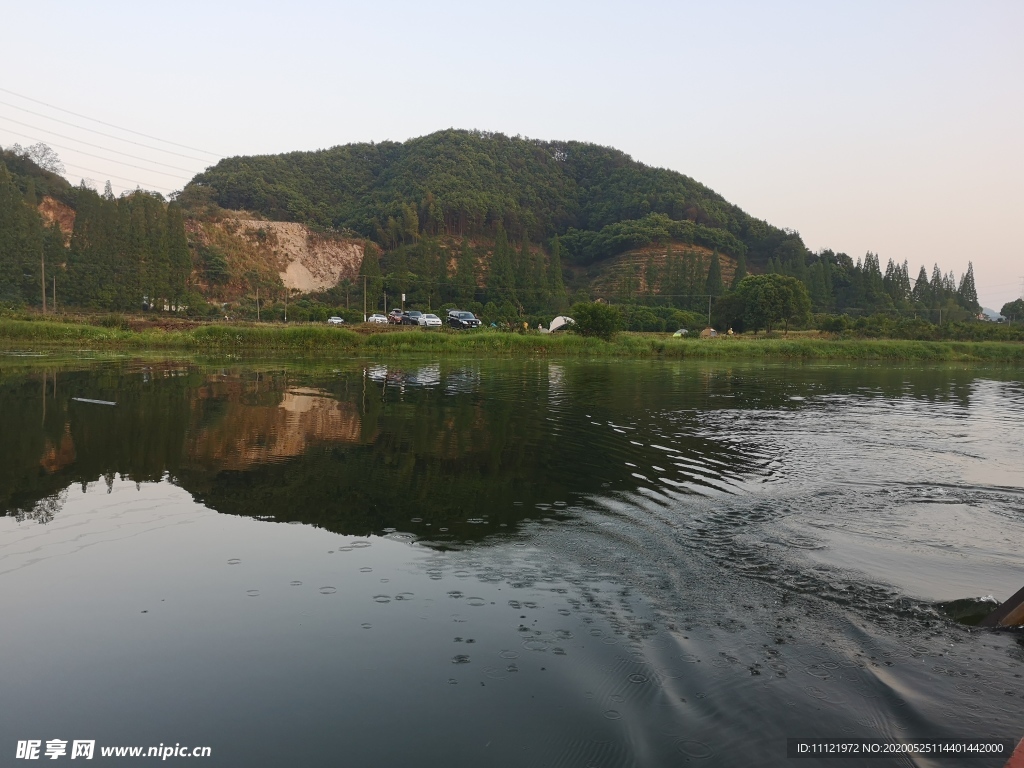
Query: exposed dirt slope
(55, 211)
(279, 253)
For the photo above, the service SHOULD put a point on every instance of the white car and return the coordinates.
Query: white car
(377, 318)
(335, 321)
(431, 321)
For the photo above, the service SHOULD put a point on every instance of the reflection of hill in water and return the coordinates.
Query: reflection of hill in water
(248, 435)
(449, 450)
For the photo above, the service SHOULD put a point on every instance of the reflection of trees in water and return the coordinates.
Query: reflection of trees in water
(364, 448)
(43, 511)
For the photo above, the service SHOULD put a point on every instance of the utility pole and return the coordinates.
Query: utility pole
(286, 292)
(53, 308)
(709, 310)
(257, 303)
(364, 298)
(42, 267)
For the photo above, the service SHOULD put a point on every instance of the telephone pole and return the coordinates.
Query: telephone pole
(42, 268)
(364, 298)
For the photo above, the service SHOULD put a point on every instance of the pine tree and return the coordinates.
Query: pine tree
(741, 270)
(713, 285)
(556, 283)
(967, 293)
(922, 292)
(501, 279)
(179, 258)
(370, 269)
(465, 274)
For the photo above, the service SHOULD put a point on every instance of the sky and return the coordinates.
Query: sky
(891, 127)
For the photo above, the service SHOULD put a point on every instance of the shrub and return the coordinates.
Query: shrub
(594, 319)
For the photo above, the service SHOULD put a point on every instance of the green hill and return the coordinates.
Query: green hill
(599, 200)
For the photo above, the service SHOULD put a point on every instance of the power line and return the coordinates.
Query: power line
(101, 174)
(101, 133)
(88, 144)
(111, 125)
(119, 162)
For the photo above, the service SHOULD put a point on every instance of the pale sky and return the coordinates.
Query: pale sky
(894, 127)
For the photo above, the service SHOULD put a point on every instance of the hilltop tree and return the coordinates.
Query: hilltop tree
(771, 299)
(741, 270)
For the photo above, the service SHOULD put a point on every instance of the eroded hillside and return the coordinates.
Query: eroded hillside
(237, 251)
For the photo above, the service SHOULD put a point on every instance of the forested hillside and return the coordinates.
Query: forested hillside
(514, 229)
(601, 201)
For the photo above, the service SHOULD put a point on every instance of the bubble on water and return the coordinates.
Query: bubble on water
(452, 681)
(564, 634)
(359, 544)
(330, 551)
(461, 574)
(697, 750)
(404, 596)
(509, 655)
(455, 594)
(612, 714)
(689, 658)
(328, 590)
(512, 668)
(296, 583)
(234, 561)
(564, 611)
(558, 651)
(382, 598)
(476, 601)
(460, 658)
(815, 692)
(344, 549)
(366, 569)
(496, 673)
(610, 640)
(252, 592)
(618, 698)
(638, 679)
(366, 625)
(535, 645)
(384, 581)
(415, 519)
(595, 632)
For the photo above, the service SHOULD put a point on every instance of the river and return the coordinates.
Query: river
(506, 562)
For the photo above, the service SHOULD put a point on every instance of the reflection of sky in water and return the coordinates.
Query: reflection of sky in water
(682, 565)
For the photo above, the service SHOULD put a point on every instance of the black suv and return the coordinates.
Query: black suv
(412, 317)
(459, 319)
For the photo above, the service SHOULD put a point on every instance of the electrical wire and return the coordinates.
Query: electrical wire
(89, 144)
(119, 162)
(111, 125)
(102, 174)
(101, 133)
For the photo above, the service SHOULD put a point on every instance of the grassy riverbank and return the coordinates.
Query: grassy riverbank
(323, 340)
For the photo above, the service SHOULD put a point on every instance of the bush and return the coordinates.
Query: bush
(597, 320)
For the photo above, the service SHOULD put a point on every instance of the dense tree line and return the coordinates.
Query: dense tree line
(124, 252)
(127, 252)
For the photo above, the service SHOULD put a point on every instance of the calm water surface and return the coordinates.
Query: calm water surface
(514, 563)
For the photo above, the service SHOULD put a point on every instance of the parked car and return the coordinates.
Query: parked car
(431, 321)
(395, 317)
(457, 318)
(411, 317)
(335, 321)
(377, 318)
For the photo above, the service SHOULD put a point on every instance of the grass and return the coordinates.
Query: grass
(318, 339)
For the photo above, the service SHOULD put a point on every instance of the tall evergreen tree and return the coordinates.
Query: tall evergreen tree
(370, 269)
(465, 274)
(713, 285)
(501, 281)
(741, 270)
(556, 282)
(967, 293)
